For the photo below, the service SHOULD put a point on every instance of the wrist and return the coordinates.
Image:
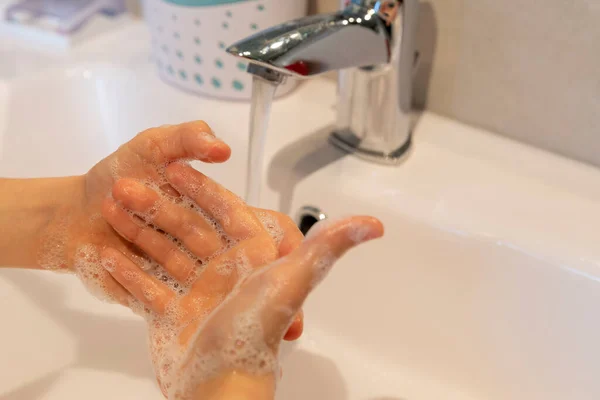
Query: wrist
(238, 385)
(32, 211)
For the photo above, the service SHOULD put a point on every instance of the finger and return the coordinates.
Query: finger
(288, 236)
(142, 286)
(158, 246)
(116, 291)
(291, 279)
(223, 273)
(193, 140)
(296, 328)
(187, 225)
(283, 230)
(232, 214)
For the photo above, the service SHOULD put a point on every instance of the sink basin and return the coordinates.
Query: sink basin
(486, 286)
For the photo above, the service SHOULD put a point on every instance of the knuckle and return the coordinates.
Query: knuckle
(135, 233)
(154, 147)
(203, 244)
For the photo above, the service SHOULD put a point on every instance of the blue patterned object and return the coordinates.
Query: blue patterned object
(190, 38)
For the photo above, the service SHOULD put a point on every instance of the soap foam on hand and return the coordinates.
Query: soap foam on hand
(244, 332)
(232, 336)
(78, 240)
(165, 330)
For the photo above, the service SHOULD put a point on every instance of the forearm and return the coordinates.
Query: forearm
(239, 386)
(28, 207)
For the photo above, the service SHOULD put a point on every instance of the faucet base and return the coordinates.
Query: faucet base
(350, 143)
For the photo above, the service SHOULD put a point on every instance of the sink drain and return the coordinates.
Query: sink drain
(307, 216)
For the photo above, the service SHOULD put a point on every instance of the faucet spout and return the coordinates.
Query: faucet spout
(372, 45)
(354, 37)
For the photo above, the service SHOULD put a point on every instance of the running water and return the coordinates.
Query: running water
(262, 98)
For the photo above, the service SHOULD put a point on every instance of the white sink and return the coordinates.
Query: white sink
(486, 285)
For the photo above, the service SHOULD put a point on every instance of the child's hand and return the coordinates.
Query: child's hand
(75, 233)
(202, 240)
(230, 318)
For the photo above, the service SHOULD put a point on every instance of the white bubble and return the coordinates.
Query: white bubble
(91, 272)
(321, 267)
(53, 249)
(271, 226)
(359, 234)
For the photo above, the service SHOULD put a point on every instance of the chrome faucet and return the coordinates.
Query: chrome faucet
(372, 45)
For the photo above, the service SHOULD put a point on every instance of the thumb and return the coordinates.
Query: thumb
(248, 327)
(290, 280)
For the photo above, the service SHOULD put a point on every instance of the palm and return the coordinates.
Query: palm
(232, 321)
(203, 239)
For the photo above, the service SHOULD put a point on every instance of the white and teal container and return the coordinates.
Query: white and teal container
(189, 38)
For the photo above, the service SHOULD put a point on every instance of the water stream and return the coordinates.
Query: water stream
(262, 98)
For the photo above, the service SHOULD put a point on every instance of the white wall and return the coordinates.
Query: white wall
(528, 69)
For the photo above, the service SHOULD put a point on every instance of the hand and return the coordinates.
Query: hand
(76, 233)
(203, 238)
(235, 340)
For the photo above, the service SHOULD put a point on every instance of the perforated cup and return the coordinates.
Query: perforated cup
(189, 38)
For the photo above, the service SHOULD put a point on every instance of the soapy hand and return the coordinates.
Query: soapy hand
(202, 239)
(217, 334)
(77, 230)
(77, 233)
